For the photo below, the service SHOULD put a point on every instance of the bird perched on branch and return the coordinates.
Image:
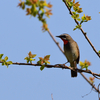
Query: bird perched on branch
(71, 52)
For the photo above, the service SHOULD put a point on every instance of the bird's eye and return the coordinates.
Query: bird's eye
(64, 36)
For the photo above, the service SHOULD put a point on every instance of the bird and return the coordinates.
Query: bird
(71, 51)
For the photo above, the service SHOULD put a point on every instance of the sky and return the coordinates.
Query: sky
(20, 34)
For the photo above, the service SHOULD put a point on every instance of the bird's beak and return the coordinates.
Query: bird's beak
(58, 36)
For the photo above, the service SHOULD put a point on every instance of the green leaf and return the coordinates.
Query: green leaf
(6, 58)
(83, 17)
(74, 29)
(33, 55)
(77, 27)
(81, 22)
(47, 57)
(29, 58)
(99, 51)
(42, 10)
(84, 64)
(75, 15)
(25, 58)
(47, 62)
(42, 67)
(75, 8)
(40, 58)
(1, 56)
(3, 64)
(70, 4)
(28, 3)
(9, 62)
(79, 10)
(2, 60)
(78, 19)
(39, 62)
(41, 15)
(34, 10)
(32, 59)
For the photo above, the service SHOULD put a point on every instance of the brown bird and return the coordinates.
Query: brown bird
(71, 52)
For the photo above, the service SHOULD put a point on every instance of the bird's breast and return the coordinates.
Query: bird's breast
(70, 52)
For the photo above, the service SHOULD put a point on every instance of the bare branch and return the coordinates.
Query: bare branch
(98, 92)
(52, 96)
(93, 74)
(55, 41)
(87, 93)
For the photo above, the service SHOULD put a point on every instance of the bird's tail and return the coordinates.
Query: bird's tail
(73, 73)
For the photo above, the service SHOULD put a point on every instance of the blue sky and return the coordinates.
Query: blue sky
(20, 34)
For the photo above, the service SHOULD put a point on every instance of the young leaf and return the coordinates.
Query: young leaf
(6, 58)
(9, 62)
(77, 27)
(1, 56)
(85, 64)
(88, 18)
(78, 19)
(3, 64)
(33, 55)
(91, 79)
(47, 57)
(29, 58)
(40, 58)
(99, 51)
(80, 10)
(42, 67)
(47, 62)
(32, 59)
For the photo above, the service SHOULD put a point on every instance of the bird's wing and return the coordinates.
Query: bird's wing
(77, 60)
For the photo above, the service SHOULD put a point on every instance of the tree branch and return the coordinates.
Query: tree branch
(63, 66)
(93, 86)
(55, 41)
(98, 92)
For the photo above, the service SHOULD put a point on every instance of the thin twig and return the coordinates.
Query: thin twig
(87, 93)
(55, 41)
(97, 90)
(52, 96)
(93, 74)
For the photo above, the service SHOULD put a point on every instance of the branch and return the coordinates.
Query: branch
(84, 33)
(55, 41)
(93, 86)
(52, 96)
(98, 92)
(63, 66)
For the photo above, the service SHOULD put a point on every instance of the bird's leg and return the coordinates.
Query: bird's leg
(75, 65)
